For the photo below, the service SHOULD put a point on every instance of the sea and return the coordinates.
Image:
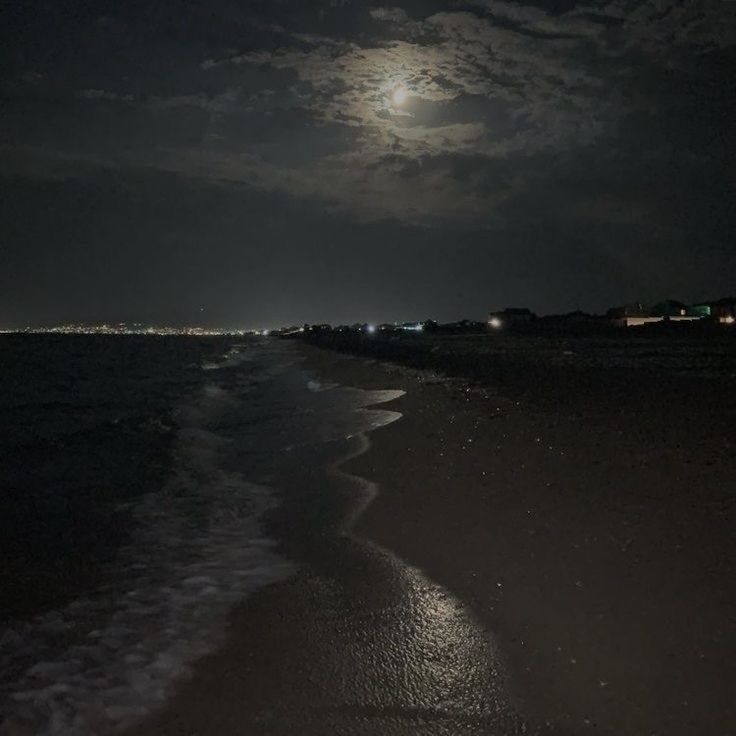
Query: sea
(138, 477)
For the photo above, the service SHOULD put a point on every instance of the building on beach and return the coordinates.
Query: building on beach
(670, 310)
(511, 316)
(721, 310)
(631, 315)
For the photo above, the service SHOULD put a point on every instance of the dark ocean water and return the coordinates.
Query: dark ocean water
(123, 536)
(86, 423)
(136, 478)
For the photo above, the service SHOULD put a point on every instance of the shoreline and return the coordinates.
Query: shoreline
(603, 591)
(628, 557)
(357, 642)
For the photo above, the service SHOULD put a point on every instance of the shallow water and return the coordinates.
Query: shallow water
(357, 641)
(252, 493)
(191, 548)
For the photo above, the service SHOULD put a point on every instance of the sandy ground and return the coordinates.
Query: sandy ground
(524, 567)
(596, 545)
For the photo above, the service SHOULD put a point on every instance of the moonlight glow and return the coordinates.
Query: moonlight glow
(398, 96)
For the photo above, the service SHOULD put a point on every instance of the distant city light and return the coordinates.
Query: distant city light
(729, 320)
(495, 322)
(371, 329)
(122, 328)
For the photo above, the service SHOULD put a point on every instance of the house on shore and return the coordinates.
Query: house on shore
(720, 310)
(725, 310)
(511, 316)
(670, 310)
(631, 315)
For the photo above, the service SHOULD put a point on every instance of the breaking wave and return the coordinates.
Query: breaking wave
(103, 662)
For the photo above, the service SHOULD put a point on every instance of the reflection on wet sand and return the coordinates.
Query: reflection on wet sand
(358, 642)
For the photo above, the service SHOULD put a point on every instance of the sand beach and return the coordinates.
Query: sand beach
(504, 560)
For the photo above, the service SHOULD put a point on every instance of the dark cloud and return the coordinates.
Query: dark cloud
(537, 139)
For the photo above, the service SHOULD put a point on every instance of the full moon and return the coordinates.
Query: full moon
(399, 95)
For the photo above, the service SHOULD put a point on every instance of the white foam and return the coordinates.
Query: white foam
(237, 355)
(105, 661)
(102, 663)
(319, 386)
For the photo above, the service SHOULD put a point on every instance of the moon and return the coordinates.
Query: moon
(399, 95)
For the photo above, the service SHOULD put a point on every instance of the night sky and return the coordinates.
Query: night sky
(258, 163)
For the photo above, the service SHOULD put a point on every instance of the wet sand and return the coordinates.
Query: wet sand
(595, 541)
(356, 642)
(520, 569)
